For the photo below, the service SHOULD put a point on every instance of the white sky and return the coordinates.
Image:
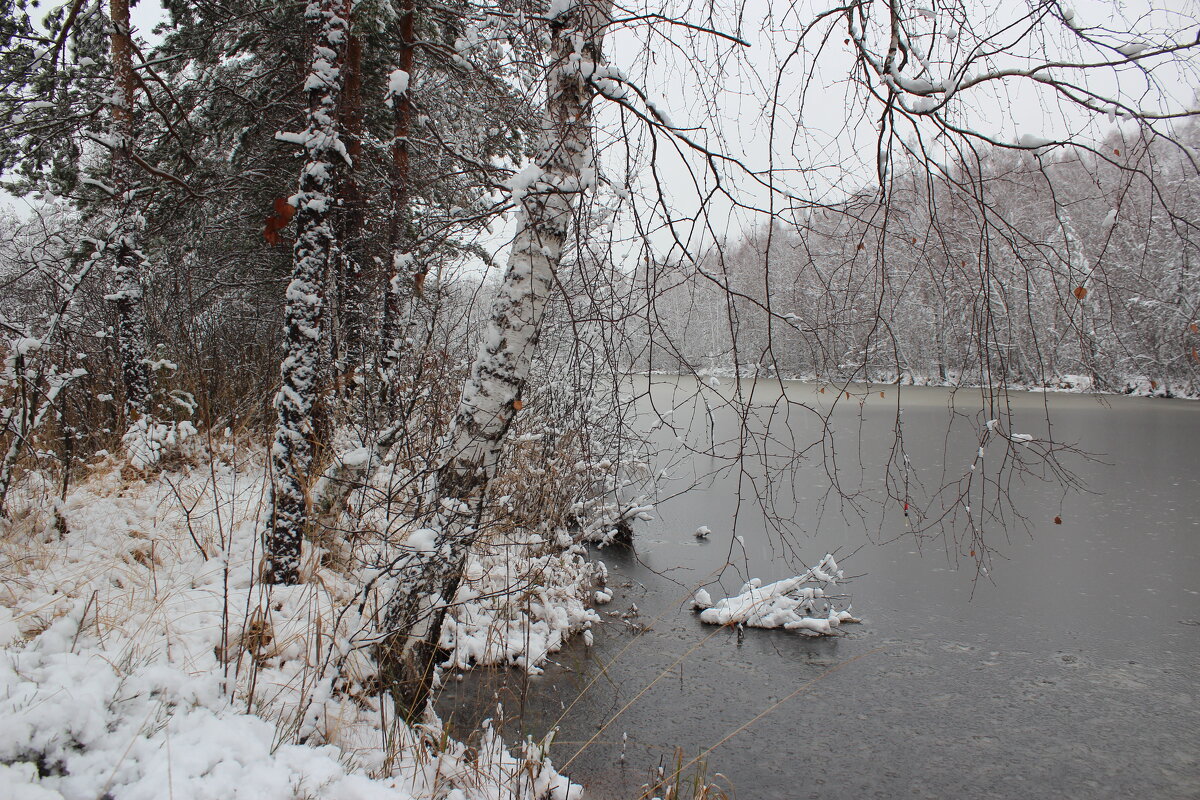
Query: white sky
(824, 142)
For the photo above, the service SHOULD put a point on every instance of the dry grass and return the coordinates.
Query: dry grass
(683, 779)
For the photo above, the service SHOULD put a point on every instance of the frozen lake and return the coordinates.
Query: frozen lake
(1069, 670)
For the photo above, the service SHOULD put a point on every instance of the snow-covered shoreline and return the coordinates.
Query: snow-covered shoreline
(143, 659)
(1139, 386)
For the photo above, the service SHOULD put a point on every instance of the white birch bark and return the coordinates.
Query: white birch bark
(292, 450)
(546, 193)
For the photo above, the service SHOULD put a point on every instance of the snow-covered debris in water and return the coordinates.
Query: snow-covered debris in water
(802, 603)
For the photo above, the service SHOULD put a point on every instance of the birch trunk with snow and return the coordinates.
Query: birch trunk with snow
(292, 449)
(546, 196)
(129, 263)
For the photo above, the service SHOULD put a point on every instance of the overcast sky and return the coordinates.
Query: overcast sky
(824, 137)
(824, 142)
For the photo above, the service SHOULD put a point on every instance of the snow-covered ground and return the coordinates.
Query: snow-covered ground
(142, 658)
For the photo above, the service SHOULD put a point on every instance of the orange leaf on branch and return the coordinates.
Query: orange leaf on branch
(284, 211)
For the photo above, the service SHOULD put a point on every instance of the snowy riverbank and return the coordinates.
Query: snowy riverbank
(1134, 386)
(142, 658)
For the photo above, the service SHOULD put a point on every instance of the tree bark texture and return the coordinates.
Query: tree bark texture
(292, 449)
(129, 262)
(352, 283)
(394, 330)
(546, 193)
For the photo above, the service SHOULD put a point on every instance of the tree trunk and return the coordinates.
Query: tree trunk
(1079, 272)
(292, 451)
(394, 331)
(563, 168)
(129, 262)
(352, 264)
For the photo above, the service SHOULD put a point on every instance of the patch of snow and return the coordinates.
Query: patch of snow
(1032, 141)
(422, 540)
(397, 86)
(520, 184)
(559, 7)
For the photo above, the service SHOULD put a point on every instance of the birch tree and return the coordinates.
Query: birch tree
(300, 371)
(546, 195)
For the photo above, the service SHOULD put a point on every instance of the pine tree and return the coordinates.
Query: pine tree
(300, 372)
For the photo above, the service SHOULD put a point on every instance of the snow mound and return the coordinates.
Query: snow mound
(802, 603)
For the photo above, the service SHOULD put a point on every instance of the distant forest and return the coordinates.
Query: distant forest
(1027, 269)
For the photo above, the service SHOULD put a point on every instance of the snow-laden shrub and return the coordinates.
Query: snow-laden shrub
(522, 596)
